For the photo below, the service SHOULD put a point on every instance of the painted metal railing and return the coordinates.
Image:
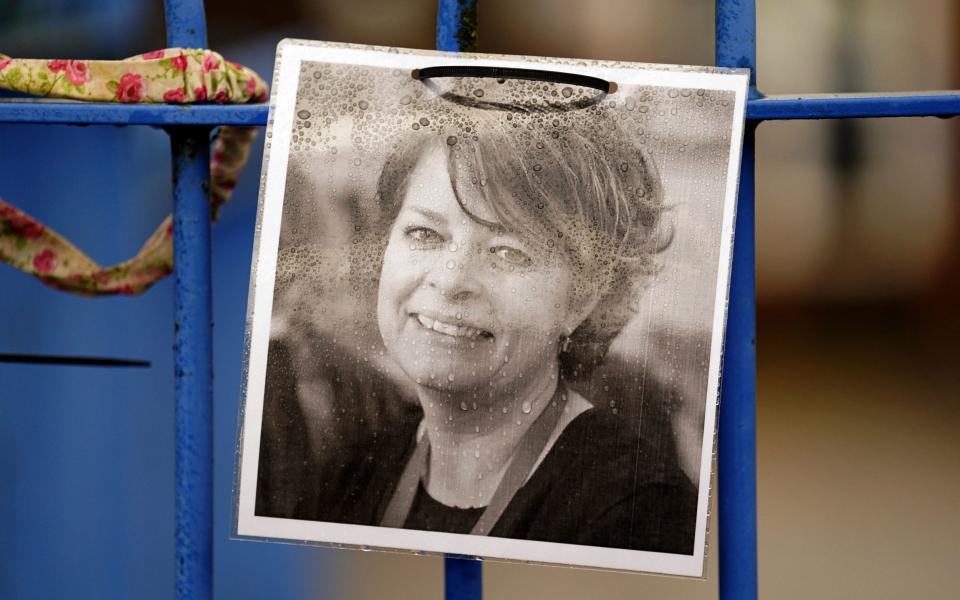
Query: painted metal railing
(189, 128)
(193, 329)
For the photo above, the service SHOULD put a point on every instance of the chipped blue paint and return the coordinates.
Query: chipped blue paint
(91, 113)
(193, 337)
(457, 25)
(193, 356)
(186, 23)
(769, 108)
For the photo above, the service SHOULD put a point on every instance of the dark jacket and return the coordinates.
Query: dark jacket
(603, 483)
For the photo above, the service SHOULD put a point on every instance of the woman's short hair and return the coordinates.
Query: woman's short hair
(562, 181)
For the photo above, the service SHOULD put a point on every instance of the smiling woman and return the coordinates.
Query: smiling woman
(472, 329)
(516, 248)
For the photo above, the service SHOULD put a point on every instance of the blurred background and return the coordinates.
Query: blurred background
(858, 235)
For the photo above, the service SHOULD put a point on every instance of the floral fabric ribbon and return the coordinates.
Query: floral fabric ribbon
(173, 75)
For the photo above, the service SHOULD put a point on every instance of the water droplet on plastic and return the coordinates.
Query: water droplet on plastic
(452, 140)
(567, 92)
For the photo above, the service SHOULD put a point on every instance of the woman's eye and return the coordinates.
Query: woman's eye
(422, 235)
(512, 256)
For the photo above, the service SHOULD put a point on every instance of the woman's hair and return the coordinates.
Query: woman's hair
(564, 182)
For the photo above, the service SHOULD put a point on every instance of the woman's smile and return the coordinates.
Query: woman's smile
(452, 329)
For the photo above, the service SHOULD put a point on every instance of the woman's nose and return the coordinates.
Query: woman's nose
(457, 275)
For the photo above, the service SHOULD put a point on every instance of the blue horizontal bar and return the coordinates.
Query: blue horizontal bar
(846, 106)
(770, 108)
(92, 113)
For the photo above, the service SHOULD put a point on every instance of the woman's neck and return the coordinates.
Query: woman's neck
(473, 439)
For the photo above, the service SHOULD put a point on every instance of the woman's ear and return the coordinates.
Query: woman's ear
(581, 307)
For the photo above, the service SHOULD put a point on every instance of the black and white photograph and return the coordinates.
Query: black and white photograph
(487, 306)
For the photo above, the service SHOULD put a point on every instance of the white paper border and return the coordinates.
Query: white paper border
(290, 55)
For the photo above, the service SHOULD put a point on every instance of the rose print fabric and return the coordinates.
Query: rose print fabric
(173, 76)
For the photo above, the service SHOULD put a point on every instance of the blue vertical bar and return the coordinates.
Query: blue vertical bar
(736, 37)
(193, 355)
(457, 32)
(457, 25)
(186, 23)
(193, 346)
(737, 452)
(462, 578)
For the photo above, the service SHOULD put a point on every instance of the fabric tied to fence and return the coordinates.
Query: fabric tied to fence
(173, 76)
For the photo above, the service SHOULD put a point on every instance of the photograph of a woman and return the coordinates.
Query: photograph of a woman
(464, 341)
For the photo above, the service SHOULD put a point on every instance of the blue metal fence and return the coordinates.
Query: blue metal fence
(189, 128)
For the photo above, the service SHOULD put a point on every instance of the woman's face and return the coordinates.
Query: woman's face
(463, 305)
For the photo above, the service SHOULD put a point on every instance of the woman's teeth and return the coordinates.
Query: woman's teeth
(452, 330)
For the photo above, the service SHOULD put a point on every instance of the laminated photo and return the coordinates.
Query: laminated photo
(487, 306)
